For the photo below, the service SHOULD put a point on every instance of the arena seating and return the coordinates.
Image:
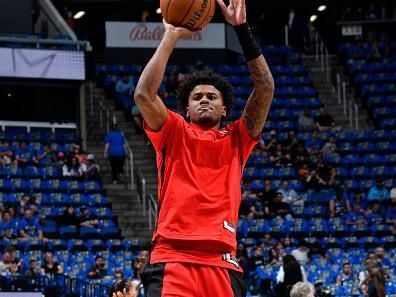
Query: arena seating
(362, 157)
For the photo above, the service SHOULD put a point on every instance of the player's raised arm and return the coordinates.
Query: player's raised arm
(150, 104)
(259, 102)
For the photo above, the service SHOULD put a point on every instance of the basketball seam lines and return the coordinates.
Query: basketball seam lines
(167, 8)
(204, 19)
(188, 10)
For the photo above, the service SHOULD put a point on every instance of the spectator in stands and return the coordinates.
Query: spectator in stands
(69, 217)
(87, 219)
(60, 158)
(330, 147)
(274, 259)
(118, 274)
(315, 182)
(368, 264)
(382, 257)
(22, 154)
(98, 270)
(325, 122)
(124, 89)
(267, 194)
(291, 143)
(44, 155)
(347, 275)
(302, 289)
(13, 169)
(289, 196)
(390, 217)
(8, 228)
(356, 217)
(316, 249)
(337, 205)
(277, 207)
(29, 227)
(124, 286)
(279, 156)
(375, 215)
(115, 151)
(72, 168)
(33, 271)
(356, 198)
(137, 119)
(290, 273)
(270, 142)
(256, 207)
(301, 252)
(139, 262)
(375, 283)
(392, 193)
(314, 144)
(257, 259)
(50, 267)
(305, 122)
(378, 192)
(93, 170)
(7, 266)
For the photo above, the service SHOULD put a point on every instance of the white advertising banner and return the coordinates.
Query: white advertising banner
(46, 64)
(149, 35)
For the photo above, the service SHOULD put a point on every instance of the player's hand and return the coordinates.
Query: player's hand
(178, 32)
(235, 12)
(124, 293)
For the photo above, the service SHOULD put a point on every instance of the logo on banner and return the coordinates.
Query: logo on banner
(142, 32)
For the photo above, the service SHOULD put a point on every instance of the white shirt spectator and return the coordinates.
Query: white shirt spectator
(301, 255)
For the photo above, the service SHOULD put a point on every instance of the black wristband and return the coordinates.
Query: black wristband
(250, 48)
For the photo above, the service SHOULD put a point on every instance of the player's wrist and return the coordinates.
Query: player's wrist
(250, 48)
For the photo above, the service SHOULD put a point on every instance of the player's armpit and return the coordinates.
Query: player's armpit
(259, 102)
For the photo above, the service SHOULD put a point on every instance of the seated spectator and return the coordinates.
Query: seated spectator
(392, 193)
(382, 257)
(330, 147)
(274, 259)
(390, 217)
(337, 205)
(257, 259)
(325, 122)
(29, 227)
(267, 194)
(13, 169)
(69, 218)
(124, 92)
(22, 154)
(87, 219)
(347, 275)
(368, 264)
(33, 271)
(289, 196)
(60, 159)
(93, 169)
(98, 270)
(44, 155)
(300, 156)
(277, 207)
(303, 172)
(316, 249)
(256, 207)
(8, 228)
(291, 143)
(72, 168)
(305, 121)
(124, 288)
(7, 266)
(356, 198)
(22, 205)
(139, 262)
(118, 274)
(378, 192)
(314, 144)
(279, 156)
(375, 215)
(49, 266)
(301, 253)
(137, 119)
(356, 217)
(315, 182)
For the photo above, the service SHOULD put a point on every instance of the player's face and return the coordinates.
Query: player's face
(206, 106)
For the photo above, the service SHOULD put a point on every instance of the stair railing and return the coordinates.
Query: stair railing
(321, 53)
(153, 211)
(141, 188)
(350, 107)
(106, 117)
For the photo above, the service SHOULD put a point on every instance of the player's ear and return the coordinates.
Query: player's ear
(224, 112)
(187, 112)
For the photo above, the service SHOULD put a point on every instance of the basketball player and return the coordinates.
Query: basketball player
(200, 168)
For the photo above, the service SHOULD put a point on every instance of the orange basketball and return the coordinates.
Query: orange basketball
(190, 14)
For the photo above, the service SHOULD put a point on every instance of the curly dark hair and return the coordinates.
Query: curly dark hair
(205, 78)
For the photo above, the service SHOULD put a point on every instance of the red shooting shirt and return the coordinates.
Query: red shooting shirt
(199, 176)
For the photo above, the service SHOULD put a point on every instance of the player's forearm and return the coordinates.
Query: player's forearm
(153, 73)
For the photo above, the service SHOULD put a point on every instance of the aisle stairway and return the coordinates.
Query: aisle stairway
(328, 93)
(125, 202)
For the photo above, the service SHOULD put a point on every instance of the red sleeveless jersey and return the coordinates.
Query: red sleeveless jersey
(199, 190)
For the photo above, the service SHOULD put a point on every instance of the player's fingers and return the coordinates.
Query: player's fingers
(119, 294)
(221, 4)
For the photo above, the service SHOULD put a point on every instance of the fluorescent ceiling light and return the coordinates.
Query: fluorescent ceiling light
(322, 8)
(158, 10)
(313, 18)
(79, 15)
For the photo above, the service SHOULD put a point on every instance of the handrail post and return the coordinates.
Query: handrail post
(327, 66)
(286, 35)
(107, 120)
(350, 114)
(356, 117)
(322, 63)
(144, 195)
(91, 97)
(316, 47)
(344, 99)
(131, 169)
(339, 89)
(101, 114)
